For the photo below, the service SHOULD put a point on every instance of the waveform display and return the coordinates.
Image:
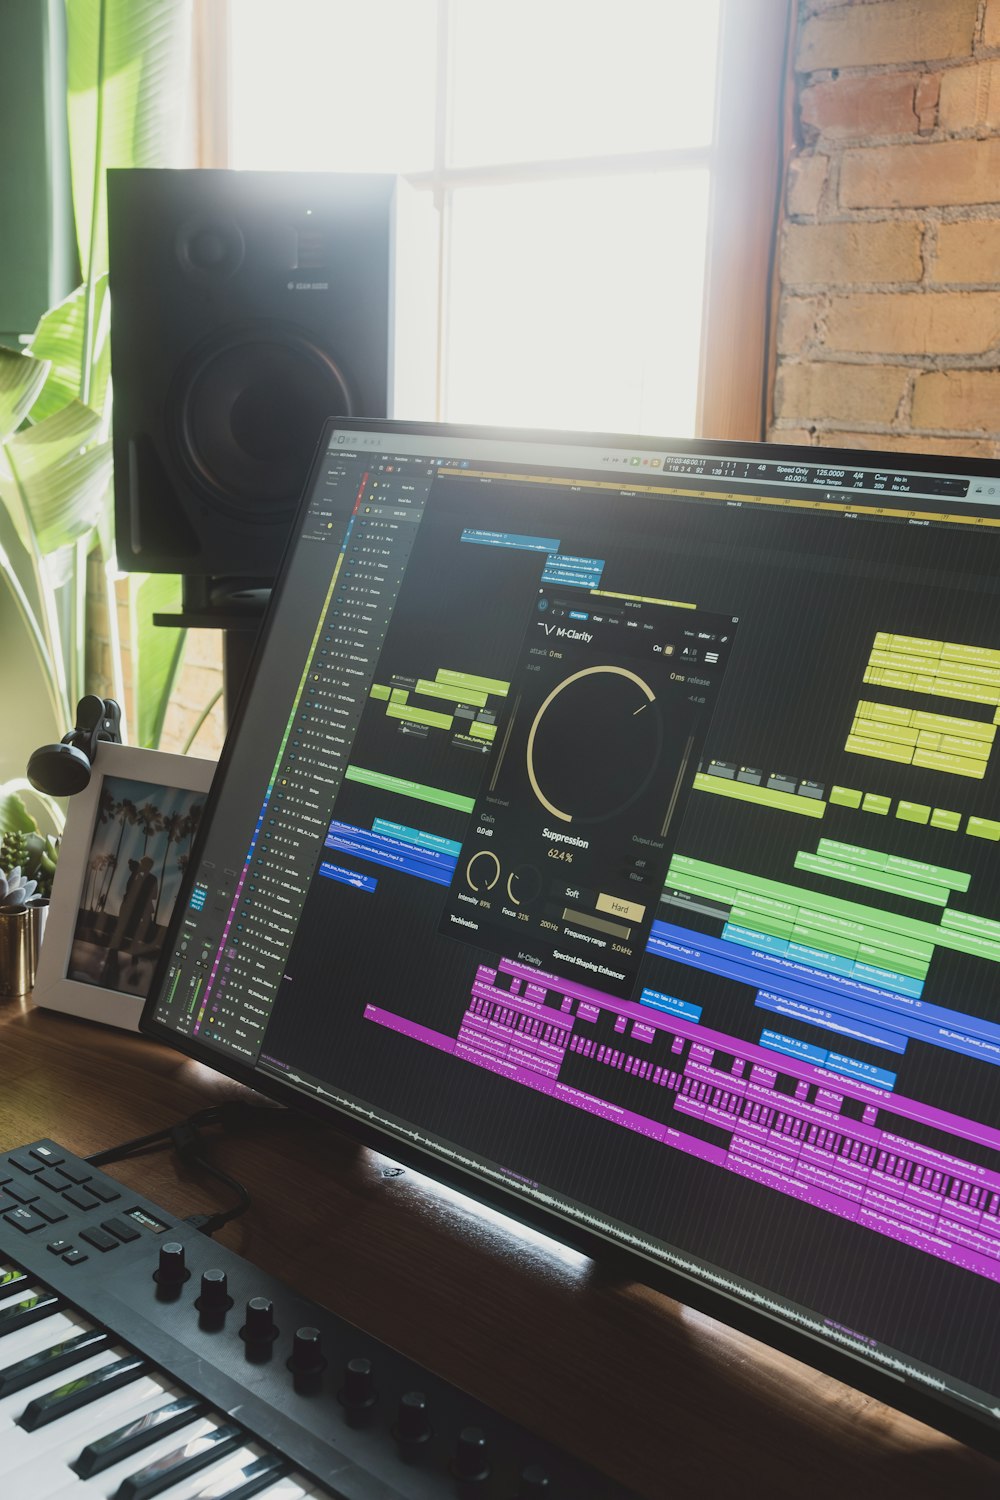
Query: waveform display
(888, 1015)
(395, 851)
(470, 712)
(403, 787)
(760, 795)
(946, 669)
(560, 568)
(806, 798)
(880, 934)
(523, 1025)
(938, 742)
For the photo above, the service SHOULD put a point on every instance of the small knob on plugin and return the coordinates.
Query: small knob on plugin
(357, 1394)
(171, 1272)
(534, 1484)
(413, 1423)
(258, 1327)
(307, 1352)
(471, 1463)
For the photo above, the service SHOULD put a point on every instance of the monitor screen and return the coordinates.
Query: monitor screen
(612, 826)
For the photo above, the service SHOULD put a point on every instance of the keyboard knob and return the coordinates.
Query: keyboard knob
(171, 1271)
(357, 1394)
(471, 1462)
(214, 1292)
(534, 1483)
(307, 1352)
(259, 1325)
(413, 1423)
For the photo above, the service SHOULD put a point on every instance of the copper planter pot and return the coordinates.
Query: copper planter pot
(20, 940)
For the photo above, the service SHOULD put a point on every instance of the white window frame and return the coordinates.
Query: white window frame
(745, 163)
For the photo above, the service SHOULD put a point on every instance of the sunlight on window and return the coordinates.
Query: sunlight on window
(561, 78)
(572, 299)
(327, 86)
(578, 303)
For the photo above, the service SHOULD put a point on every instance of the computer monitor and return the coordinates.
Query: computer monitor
(612, 827)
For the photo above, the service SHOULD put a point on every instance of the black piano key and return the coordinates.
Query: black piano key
(180, 1464)
(31, 1310)
(50, 1361)
(77, 1393)
(137, 1434)
(242, 1483)
(12, 1282)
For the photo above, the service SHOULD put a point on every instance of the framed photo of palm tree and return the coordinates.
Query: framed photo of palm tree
(125, 847)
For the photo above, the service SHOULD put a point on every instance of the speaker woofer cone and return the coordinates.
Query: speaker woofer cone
(247, 409)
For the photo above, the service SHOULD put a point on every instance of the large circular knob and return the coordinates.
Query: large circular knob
(534, 1483)
(357, 1394)
(214, 1292)
(171, 1271)
(307, 1352)
(471, 1462)
(259, 1325)
(413, 1423)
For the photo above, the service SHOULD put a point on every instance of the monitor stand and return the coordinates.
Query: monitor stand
(236, 607)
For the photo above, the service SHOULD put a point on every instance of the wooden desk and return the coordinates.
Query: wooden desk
(670, 1402)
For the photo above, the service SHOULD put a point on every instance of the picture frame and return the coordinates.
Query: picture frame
(127, 837)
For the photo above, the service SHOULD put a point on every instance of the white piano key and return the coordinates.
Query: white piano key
(17, 1299)
(242, 1472)
(41, 1335)
(213, 1477)
(63, 1354)
(52, 1449)
(295, 1487)
(291, 1487)
(104, 1486)
(28, 1285)
(11, 1407)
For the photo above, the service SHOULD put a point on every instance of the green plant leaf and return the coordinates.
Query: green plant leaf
(59, 339)
(14, 814)
(128, 62)
(157, 650)
(60, 482)
(21, 378)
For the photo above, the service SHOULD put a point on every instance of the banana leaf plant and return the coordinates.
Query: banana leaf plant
(127, 67)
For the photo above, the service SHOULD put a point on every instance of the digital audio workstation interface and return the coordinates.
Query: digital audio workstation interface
(621, 824)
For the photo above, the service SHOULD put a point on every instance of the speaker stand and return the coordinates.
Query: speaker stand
(236, 607)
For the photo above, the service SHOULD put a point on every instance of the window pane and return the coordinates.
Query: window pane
(577, 303)
(544, 79)
(323, 85)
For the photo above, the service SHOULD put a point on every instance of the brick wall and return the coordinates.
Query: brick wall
(889, 310)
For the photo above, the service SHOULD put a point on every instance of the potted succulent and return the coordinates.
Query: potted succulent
(27, 865)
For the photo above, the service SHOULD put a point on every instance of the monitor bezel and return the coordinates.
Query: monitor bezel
(944, 1413)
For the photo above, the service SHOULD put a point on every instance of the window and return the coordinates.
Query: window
(575, 156)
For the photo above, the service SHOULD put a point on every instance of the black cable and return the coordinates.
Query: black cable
(156, 1140)
(185, 1138)
(190, 1148)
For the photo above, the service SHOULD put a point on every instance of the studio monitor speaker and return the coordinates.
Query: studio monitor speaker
(246, 308)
